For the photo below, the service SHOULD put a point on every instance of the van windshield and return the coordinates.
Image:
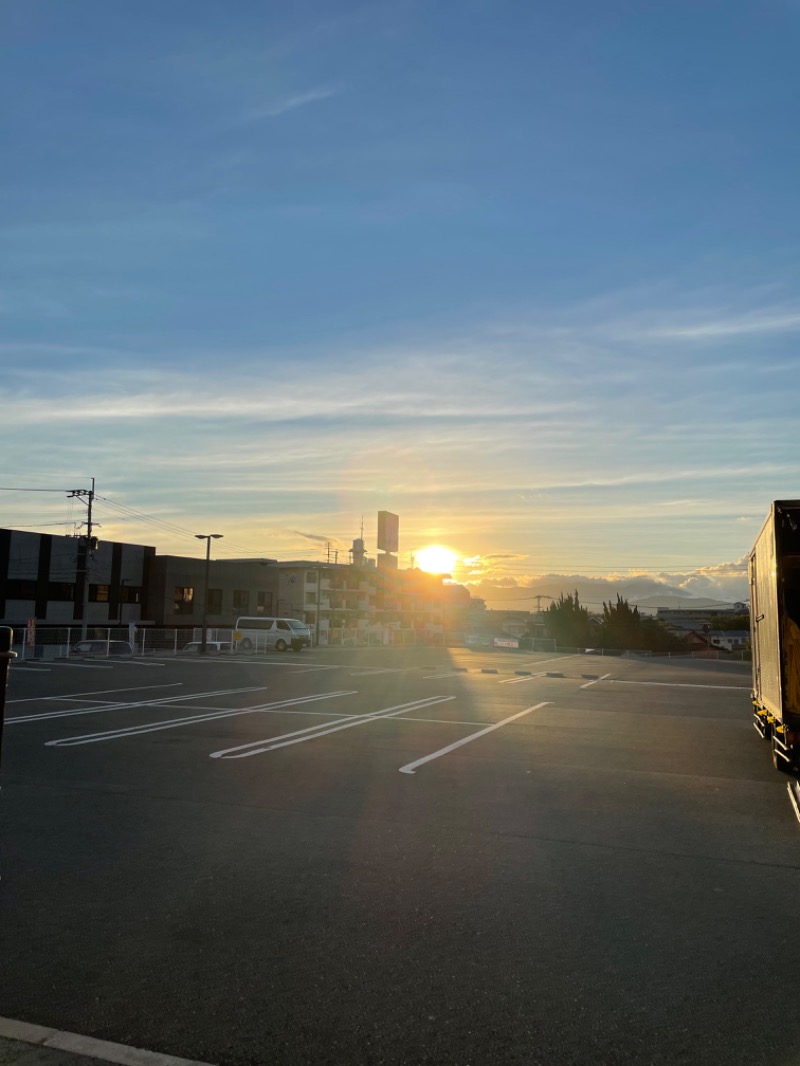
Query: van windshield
(297, 625)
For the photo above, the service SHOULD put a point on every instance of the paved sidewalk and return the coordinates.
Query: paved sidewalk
(23, 1044)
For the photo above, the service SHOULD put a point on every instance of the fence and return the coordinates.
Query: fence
(54, 642)
(643, 653)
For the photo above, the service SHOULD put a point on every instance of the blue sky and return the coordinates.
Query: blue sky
(524, 273)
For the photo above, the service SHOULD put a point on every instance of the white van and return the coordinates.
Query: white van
(263, 634)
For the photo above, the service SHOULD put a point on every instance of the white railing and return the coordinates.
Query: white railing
(60, 642)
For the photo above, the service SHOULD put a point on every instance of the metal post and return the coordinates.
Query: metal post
(207, 537)
(6, 655)
(319, 608)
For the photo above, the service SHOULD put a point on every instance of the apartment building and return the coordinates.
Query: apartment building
(334, 598)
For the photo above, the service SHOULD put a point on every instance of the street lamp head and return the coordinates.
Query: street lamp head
(208, 536)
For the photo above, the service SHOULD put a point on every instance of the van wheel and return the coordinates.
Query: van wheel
(280, 645)
(246, 644)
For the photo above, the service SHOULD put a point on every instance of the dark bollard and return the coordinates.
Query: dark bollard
(6, 655)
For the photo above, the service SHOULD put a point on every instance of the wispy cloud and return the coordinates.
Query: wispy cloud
(317, 538)
(290, 103)
(733, 325)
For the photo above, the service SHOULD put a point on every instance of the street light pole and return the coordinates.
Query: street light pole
(207, 537)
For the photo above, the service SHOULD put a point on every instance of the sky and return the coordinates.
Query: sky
(524, 274)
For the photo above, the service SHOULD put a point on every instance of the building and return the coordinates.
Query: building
(729, 639)
(62, 581)
(336, 599)
(67, 581)
(683, 619)
(236, 588)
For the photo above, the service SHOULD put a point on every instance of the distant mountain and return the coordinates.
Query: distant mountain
(644, 592)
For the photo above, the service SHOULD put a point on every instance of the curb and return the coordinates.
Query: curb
(59, 1040)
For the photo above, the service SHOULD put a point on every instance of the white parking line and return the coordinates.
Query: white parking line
(590, 683)
(124, 706)
(258, 747)
(82, 666)
(681, 684)
(96, 692)
(411, 767)
(174, 723)
(373, 672)
(518, 680)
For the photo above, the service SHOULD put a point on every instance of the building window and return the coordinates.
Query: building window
(184, 599)
(61, 592)
(130, 594)
(214, 605)
(311, 597)
(264, 601)
(311, 577)
(19, 588)
(241, 599)
(98, 593)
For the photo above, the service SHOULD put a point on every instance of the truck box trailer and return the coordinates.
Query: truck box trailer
(774, 573)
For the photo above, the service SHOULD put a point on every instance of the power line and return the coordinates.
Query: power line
(141, 516)
(25, 488)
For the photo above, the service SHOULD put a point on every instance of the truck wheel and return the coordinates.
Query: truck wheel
(246, 644)
(778, 761)
(280, 645)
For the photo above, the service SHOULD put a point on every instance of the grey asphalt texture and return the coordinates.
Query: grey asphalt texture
(612, 877)
(18, 1053)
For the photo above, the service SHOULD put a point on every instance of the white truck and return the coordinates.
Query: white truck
(774, 573)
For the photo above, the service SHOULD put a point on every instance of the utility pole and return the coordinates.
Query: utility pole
(90, 543)
(7, 653)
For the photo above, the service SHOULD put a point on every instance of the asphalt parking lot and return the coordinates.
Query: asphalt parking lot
(431, 856)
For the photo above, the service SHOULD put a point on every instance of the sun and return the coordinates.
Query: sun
(436, 559)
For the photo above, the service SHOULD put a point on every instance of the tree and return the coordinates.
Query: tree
(567, 622)
(626, 629)
(622, 625)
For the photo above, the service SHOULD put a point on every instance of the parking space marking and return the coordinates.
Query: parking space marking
(434, 677)
(176, 723)
(590, 683)
(681, 684)
(96, 692)
(82, 666)
(519, 680)
(377, 670)
(411, 767)
(132, 705)
(299, 736)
